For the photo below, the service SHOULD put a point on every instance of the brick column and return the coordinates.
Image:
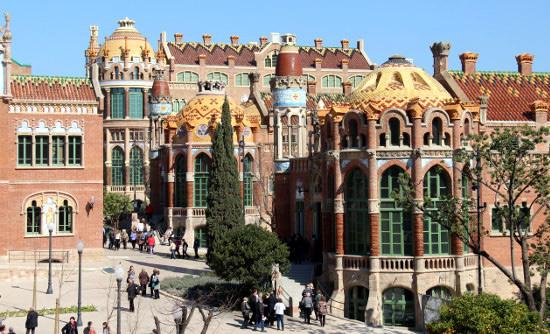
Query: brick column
(126, 102)
(374, 210)
(170, 178)
(338, 196)
(456, 243)
(145, 102)
(418, 217)
(107, 103)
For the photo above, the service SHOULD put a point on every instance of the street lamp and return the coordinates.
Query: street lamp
(51, 226)
(241, 150)
(119, 274)
(80, 249)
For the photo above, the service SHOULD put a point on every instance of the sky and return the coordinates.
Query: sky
(52, 35)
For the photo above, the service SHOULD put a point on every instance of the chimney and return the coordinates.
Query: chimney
(206, 39)
(525, 63)
(483, 106)
(318, 43)
(346, 88)
(440, 51)
(361, 45)
(263, 41)
(540, 110)
(202, 59)
(469, 60)
(318, 62)
(312, 87)
(178, 38)
(345, 44)
(231, 61)
(344, 63)
(234, 40)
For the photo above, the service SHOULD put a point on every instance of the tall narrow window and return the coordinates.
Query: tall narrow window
(353, 140)
(117, 167)
(34, 218)
(271, 60)
(395, 221)
(136, 166)
(24, 150)
(247, 182)
(75, 150)
(136, 73)
(42, 151)
(436, 236)
(180, 194)
(117, 73)
(217, 76)
(202, 168)
(299, 224)
(187, 77)
(356, 224)
(58, 150)
(437, 131)
(117, 103)
(242, 80)
(394, 131)
(136, 103)
(65, 222)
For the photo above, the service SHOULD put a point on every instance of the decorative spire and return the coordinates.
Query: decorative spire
(6, 29)
(93, 46)
(126, 23)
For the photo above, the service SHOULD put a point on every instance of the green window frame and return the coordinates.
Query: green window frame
(356, 80)
(248, 181)
(136, 103)
(436, 236)
(75, 151)
(42, 150)
(58, 150)
(498, 224)
(440, 292)
(117, 103)
(187, 77)
(34, 219)
(242, 80)
(202, 169)
(24, 150)
(357, 224)
(65, 222)
(271, 59)
(202, 235)
(136, 166)
(309, 78)
(395, 222)
(267, 79)
(398, 307)
(331, 81)
(180, 191)
(217, 76)
(117, 167)
(358, 297)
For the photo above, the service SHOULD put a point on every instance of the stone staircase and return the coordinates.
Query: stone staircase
(293, 284)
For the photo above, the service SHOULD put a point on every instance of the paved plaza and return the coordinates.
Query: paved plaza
(99, 289)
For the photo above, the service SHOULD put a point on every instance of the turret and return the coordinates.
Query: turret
(160, 95)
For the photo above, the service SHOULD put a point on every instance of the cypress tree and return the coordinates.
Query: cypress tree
(224, 205)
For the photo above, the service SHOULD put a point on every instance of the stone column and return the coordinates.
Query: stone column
(374, 205)
(145, 102)
(456, 243)
(107, 103)
(190, 176)
(126, 102)
(418, 217)
(338, 196)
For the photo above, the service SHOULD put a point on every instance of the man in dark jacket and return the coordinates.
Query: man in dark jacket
(196, 247)
(70, 327)
(132, 293)
(32, 321)
(143, 281)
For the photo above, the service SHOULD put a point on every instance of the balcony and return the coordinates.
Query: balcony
(201, 212)
(127, 189)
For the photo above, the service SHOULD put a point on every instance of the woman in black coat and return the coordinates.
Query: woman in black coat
(32, 321)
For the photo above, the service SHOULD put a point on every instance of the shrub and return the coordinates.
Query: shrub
(485, 314)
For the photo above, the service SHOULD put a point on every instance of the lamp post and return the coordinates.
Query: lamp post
(119, 273)
(80, 249)
(49, 291)
(241, 150)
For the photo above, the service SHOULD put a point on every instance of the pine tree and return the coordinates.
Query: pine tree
(224, 205)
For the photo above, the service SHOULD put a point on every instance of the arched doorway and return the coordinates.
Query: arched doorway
(398, 307)
(358, 297)
(441, 292)
(357, 227)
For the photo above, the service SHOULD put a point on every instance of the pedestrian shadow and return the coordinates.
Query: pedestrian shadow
(173, 269)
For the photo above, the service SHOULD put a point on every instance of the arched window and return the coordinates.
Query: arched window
(267, 79)
(117, 73)
(202, 168)
(65, 222)
(136, 103)
(247, 181)
(34, 219)
(356, 80)
(331, 81)
(440, 292)
(117, 167)
(117, 103)
(217, 76)
(271, 59)
(358, 297)
(242, 80)
(395, 131)
(136, 73)
(436, 188)
(353, 140)
(466, 128)
(437, 131)
(357, 229)
(187, 77)
(309, 78)
(398, 307)
(180, 185)
(136, 166)
(395, 221)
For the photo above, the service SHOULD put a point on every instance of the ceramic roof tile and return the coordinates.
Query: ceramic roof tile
(510, 94)
(32, 87)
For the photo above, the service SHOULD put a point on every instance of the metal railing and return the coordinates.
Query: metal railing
(333, 304)
(285, 295)
(38, 255)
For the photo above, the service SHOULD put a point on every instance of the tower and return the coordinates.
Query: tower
(289, 105)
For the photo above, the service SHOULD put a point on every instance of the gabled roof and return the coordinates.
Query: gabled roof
(32, 87)
(216, 54)
(510, 93)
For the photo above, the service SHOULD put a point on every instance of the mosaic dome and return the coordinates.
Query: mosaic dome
(126, 36)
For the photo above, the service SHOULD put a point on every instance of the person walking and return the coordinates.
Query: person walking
(184, 248)
(307, 303)
(141, 241)
(131, 275)
(316, 300)
(196, 247)
(118, 235)
(133, 238)
(323, 310)
(143, 281)
(124, 236)
(172, 249)
(245, 309)
(155, 284)
(279, 309)
(106, 329)
(132, 293)
(32, 321)
(112, 239)
(89, 329)
(70, 327)
(271, 301)
(151, 243)
(259, 321)
(177, 241)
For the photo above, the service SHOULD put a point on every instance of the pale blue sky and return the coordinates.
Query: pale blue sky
(52, 35)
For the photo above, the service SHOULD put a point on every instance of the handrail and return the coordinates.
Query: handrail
(290, 310)
(319, 285)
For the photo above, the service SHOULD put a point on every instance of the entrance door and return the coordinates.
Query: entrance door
(398, 307)
(357, 302)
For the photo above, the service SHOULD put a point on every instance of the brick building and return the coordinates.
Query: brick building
(51, 171)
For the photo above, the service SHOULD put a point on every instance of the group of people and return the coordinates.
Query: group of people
(145, 280)
(313, 302)
(145, 239)
(175, 243)
(265, 311)
(31, 323)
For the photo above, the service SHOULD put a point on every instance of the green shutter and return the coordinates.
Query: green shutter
(117, 167)
(136, 103)
(248, 183)
(357, 224)
(42, 150)
(436, 236)
(117, 103)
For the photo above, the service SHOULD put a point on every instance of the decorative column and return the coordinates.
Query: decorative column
(338, 196)
(145, 102)
(417, 142)
(127, 149)
(374, 205)
(107, 103)
(454, 113)
(126, 102)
